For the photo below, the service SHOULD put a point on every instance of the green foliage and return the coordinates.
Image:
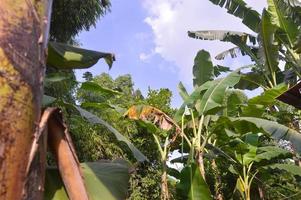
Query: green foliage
(280, 18)
(97, 120)
(145, 183)
(160, 99)
(213, 97)
(72, 16)
(192, 186)
(232, 101)
(63, 89)
(203, 68)
(63, 56)
(232, 141)
(93, 142)
(239, 8)
(267, 48)
(103, 179)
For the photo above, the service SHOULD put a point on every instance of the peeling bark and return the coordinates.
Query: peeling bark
(22, 66)
(164, 183)
(200, 162)
(62, 148)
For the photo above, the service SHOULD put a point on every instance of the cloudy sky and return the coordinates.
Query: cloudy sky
(149, 39)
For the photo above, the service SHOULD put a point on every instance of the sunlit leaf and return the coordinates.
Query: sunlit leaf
(268, 50)
(279, 18)
(63, 56)
(214, 96)
(269, 96)
(153, 115)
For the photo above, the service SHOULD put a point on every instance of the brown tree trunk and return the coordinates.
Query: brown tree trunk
(22, 65)
(61, 146)
(200, 162)
(164, 183)
(218, 181)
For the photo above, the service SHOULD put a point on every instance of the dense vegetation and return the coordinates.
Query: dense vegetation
(228, 140)
(229, 146)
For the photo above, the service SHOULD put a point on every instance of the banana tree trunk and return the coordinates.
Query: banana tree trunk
(218, 181)
(164, 183)
(23, 37)
(200, 162)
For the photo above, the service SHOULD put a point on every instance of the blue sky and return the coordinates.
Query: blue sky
(149, 39)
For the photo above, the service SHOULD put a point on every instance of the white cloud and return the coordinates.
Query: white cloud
(144, 57)
(171, 19)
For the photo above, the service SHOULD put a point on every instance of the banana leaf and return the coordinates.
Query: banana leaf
(103, 180)
(63, 56)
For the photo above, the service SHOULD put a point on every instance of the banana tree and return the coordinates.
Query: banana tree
(214, 104)
(152, 118)
(230, 136)
(277, 30)
(24, 31)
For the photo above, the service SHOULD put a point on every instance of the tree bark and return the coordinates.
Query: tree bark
(23, 28)
(164, 183)
(200, 162)
(218, 181)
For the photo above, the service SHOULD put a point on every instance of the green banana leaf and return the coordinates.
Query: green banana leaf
(203, 70)
(97, 105)
(103, 180)
(94, 87)
(290, 168)
(214, 96)
(271, 152)
(63, 56)
(192, 185)
(268, 50)
(182, 91)
(250, 81)
(276, 130)
(269, 96)
(232, 101)
(219, 69)
(238, 8)
(279, 18)
(193, 98)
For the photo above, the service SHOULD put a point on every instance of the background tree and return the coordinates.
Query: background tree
(91, 145)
